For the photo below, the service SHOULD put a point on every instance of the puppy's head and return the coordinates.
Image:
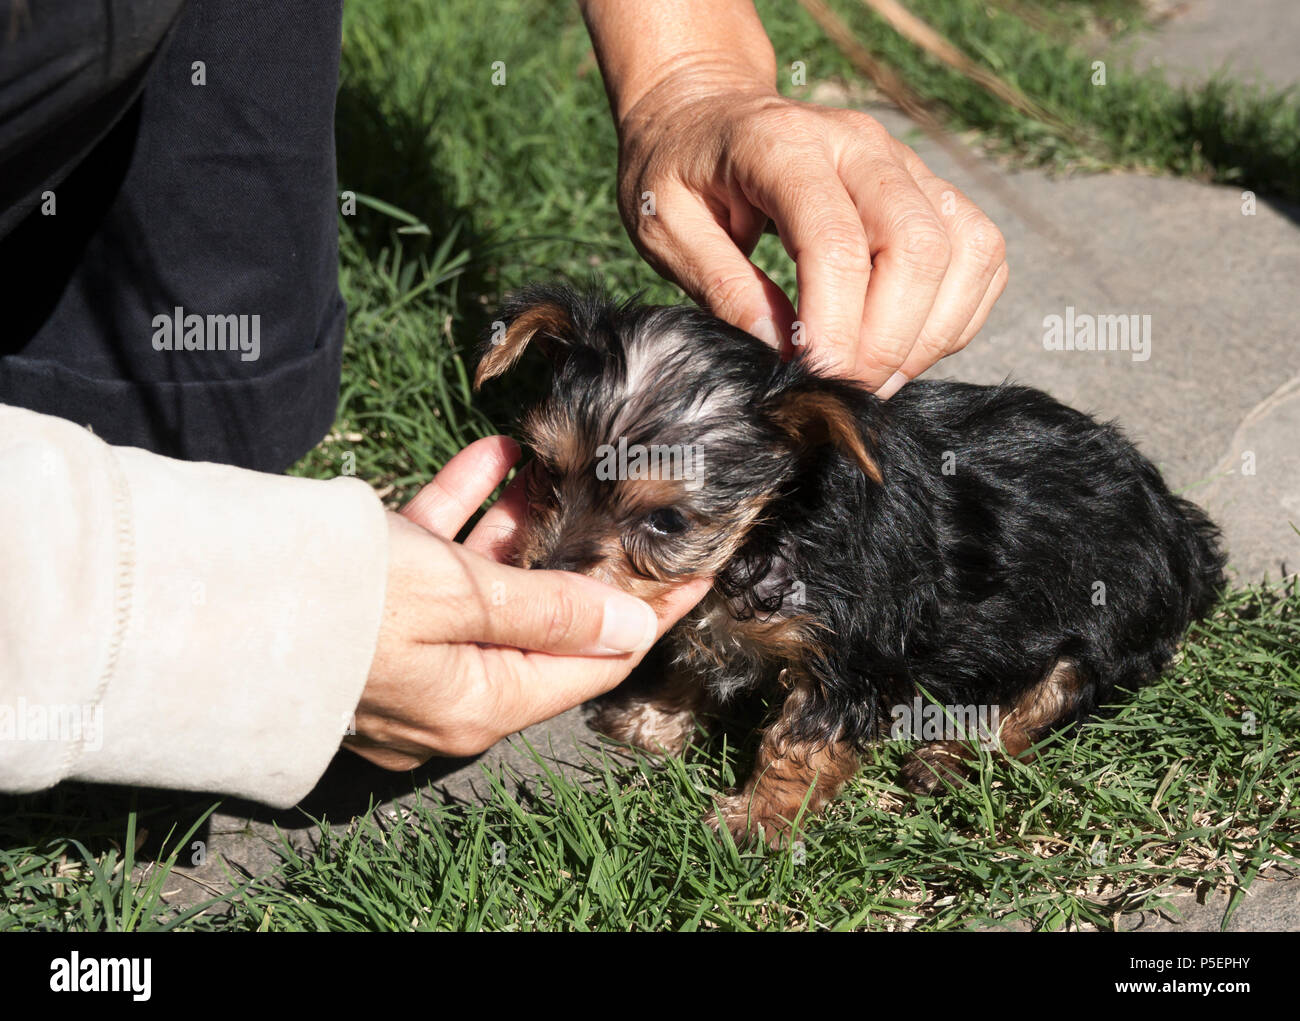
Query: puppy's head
(665, 436)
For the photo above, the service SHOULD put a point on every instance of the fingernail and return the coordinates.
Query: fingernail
(765, 330)
(891, 386)
(629, 625)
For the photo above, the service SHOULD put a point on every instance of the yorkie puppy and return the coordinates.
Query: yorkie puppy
(973, 546)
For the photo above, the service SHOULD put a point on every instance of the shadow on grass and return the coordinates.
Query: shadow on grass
(392, 153)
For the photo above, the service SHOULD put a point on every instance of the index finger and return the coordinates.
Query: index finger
(912, 252)
(494, 535)
(469, 598)
(824, 235)
(533, 686)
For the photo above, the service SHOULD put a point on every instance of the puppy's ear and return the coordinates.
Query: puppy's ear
(544, 316)
(815, 418)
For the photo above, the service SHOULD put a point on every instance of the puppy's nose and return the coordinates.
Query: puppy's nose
(560, 562)
(566, 556)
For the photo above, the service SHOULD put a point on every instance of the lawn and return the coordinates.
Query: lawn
(465, 189)
(1191, 786)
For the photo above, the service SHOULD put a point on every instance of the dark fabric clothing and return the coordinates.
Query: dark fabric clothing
(205, 206)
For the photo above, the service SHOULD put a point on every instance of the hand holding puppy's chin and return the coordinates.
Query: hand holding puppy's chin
(471, 650)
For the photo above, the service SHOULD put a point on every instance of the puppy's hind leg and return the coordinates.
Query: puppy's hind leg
(936, 763)
(1049, 703)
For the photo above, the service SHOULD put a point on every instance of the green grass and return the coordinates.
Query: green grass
(1219, 131)
(52, 881)
(1171, 793)
(1190, 786)
(491, 187)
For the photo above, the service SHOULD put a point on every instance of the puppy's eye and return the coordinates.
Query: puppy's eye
(666, 521)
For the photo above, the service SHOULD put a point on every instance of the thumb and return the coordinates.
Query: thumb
(456, 492)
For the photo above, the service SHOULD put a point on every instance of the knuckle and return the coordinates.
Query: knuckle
(929, 348)
(465, 743)
(1001, 277)
(650, 179)
(886, 357)
(906, 156)
(984, 242)
(468, 731)
(923, 244)
(845, 247)
(867, 133)
(651, 231)
(776, 119)
(767, 139)
(563, 615)
(960, 343)
(762, 125)
(467, 714)
(727, 292)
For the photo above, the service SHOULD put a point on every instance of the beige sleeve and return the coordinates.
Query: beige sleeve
(177, 624)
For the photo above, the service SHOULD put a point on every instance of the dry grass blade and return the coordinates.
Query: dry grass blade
(912, 28)
(896, 90)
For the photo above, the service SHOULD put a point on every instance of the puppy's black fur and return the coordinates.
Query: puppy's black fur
(972, 585)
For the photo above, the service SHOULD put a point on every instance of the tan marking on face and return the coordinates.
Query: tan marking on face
(545, 534)
(641, 496)
(554, 440)
(646, 566)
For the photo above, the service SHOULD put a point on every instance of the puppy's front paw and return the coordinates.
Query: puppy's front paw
(645, 726)
(746, 818)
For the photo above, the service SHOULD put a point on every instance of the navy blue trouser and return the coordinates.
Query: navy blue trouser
(164, 161)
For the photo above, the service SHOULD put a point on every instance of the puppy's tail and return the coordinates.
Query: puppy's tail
(1205, 557)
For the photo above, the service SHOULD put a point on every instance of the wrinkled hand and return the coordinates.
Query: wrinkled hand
(896, 268)
(471, 650)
